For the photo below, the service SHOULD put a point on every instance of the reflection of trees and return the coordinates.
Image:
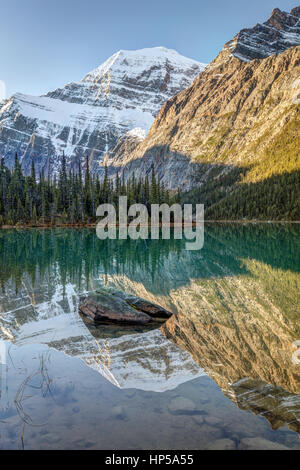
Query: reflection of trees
(78, 254)
(275, 244)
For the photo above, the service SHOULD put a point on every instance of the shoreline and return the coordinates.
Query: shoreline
(171, 225)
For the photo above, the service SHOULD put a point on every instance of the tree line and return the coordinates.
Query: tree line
(231, 197)
(71, 197)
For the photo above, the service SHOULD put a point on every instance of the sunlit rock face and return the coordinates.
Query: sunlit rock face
(216, 125)
(243, 98)
(88, 117)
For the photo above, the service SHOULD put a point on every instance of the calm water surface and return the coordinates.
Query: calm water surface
(223, 372)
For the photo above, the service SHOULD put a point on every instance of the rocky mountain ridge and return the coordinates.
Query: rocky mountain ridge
(226, 119)
(236, 124)
(274, 36)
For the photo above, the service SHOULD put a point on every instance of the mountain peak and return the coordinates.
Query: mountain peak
(281, 19)
(296, 12)
(140, 60)
(280, 32)
(88, 117)
(278, 18)
(150, 51)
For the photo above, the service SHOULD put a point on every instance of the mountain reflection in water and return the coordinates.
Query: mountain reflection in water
(237, 305)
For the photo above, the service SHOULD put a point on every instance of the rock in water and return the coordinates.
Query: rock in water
(111, 306)
(107, 308)
(222, 444)
(153, 310)
(259, 443)
(182, 406)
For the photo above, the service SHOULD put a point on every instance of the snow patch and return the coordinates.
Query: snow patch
(137, 132)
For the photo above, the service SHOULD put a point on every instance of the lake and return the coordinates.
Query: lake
(222, 373)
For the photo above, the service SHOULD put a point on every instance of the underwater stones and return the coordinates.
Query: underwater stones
(213, 421)
(222, 444)
(212, 433)
(198, 419)
(259, 443)
(118, 412)
(182, 406)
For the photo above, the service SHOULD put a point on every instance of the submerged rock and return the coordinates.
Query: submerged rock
(222, 444)
(259, 443)
(118, 412)
(213, 421)
(182, 406)
(112, 306)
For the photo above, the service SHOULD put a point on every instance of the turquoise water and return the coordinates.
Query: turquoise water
(223, 372)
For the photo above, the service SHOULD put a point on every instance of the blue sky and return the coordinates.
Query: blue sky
(46, 43)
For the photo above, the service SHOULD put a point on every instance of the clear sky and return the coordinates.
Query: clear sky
(47, 43)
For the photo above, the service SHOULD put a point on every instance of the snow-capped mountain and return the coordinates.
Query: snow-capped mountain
(88, 117)
(276, 35)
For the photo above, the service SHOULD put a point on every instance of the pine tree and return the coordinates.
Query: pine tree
(154, 189)
(24, 199)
